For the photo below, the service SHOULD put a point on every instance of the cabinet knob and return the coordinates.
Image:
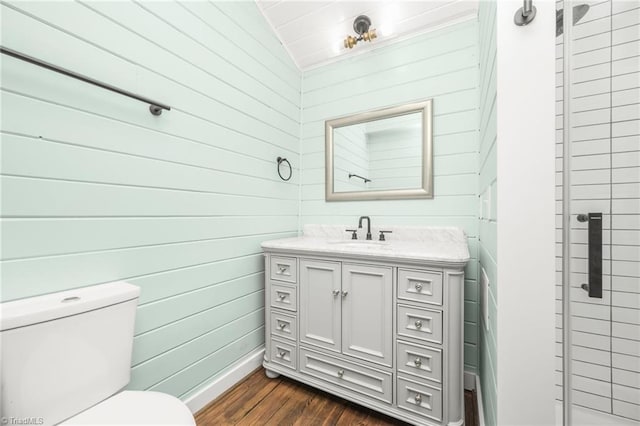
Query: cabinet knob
(282, 325)
(282, 296)
(281, 354)
(418, 324)
(340, 373)
(417, 362)
(282, 269)
(418, 287)
(418, 398)
(336, 292)
(344, 293)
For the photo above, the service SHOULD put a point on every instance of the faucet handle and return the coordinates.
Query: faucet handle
(354, 233)
(382, 238)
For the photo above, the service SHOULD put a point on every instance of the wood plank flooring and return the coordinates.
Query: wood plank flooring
(258, 400)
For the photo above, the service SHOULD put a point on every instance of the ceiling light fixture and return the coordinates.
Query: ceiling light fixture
(361, 26)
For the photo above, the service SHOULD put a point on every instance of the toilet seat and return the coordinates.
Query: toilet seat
(136, 408)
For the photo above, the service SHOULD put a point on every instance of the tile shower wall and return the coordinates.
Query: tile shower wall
(95, 189)
(442, 65)
(604, 177)
(487, 189)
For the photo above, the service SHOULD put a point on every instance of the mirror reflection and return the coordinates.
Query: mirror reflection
(379, 155)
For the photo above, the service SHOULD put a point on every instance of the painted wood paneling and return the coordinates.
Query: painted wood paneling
(441, 65)
(487, 190)
(96, 189)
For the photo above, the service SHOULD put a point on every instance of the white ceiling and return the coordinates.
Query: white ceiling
(312, 31)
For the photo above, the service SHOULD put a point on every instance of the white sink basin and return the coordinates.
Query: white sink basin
(361, 244)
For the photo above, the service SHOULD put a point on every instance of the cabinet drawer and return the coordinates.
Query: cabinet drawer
(423, 324)
(284, 326)
(367, 381)
(283, 353)
(283, 296)
(420, 361)
(420, 286)
(419, 398)
(284, 269)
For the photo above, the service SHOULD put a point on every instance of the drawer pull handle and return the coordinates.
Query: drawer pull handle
(418, 287)
(282, 269)
(417, 362)
(418, 324)
(336, 292)
(418, 398)
(281, 354)
(282, 296)
(282, 325)
(344, 293)
(340, 373)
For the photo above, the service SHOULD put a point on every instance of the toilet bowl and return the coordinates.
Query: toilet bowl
(65, 358)
(135, 408)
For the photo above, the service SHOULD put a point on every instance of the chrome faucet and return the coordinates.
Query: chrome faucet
(368, 225)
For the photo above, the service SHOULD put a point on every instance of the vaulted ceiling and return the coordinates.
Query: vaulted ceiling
(313, 31)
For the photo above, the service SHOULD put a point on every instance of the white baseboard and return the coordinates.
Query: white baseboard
(236, 373)
(469, 380)
(480, 406)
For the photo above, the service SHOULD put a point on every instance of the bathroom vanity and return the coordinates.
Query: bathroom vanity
(379, 323)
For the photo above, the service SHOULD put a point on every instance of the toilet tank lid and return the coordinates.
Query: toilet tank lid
(33, 310)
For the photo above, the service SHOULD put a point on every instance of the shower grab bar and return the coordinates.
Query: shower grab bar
(594, 288)
(154, 107)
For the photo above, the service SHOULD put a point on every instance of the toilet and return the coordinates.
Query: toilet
(65, 358)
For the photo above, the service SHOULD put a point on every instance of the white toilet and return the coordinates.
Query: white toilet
(65, 356)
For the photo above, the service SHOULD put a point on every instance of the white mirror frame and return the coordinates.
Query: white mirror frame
(426, 191)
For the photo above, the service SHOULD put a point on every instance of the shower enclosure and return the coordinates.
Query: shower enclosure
(598, 213)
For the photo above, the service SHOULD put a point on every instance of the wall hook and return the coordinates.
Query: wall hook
(525, 14)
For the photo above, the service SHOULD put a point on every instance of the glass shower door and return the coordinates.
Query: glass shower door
(599, 192)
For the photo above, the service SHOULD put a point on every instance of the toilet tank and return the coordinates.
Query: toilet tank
(63, 352)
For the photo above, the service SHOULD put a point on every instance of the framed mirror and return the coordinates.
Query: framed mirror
(380, 155)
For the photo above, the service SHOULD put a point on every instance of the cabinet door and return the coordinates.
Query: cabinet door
(367, 315)
(320, 303)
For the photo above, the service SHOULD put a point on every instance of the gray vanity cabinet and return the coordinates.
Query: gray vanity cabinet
(320, 304)
(386, 334)
(347, 308)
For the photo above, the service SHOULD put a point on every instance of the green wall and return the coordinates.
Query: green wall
(442, 65)
(487, 188)
(96, 189)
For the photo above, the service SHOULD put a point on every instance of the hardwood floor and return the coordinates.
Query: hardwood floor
(259, 400)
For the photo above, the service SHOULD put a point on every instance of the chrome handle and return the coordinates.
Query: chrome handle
(283, 325)
(340, 373)
(281, 354)
(418, 398)
(336, 292)
(282, 296)
(418, 324)
(344, 293)
(417, 362)
(282, 269)
(418, 287)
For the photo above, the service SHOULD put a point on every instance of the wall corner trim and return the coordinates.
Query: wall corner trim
(479, 398)
(238, 371)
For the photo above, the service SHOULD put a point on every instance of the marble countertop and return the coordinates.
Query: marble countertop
(430, 244)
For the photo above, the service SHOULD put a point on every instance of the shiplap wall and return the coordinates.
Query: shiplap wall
(604, 177)
(396, 159)
(442, 65)
(351, 155)
(95, 189)
(487, 189)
